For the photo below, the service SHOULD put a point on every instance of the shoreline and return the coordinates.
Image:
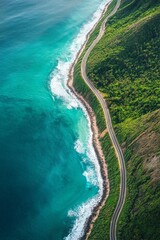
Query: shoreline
(95, 138)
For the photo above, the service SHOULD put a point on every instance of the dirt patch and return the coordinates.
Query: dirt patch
(139, 23)
(148, 143)
(101, 135)
(147, 146)
(152, 165)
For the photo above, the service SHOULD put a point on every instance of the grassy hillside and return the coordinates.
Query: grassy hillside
(140, 139)
(140, 218)
(125, 64)
(125, 67)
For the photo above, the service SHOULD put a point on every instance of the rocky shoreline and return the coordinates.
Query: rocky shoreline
(96, 143)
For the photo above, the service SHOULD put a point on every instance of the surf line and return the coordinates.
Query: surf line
(95, 138)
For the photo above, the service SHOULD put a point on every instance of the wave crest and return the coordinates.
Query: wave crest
(82, 213)
(79, 147)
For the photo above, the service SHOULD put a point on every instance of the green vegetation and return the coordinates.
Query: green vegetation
(125, 67)
(85, 91)
(94, 33)
(101, 227)
(102, 223)
(125, 63)
(140, 139)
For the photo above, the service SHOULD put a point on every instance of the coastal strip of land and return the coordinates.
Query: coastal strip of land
(111, 132)
(96, 142)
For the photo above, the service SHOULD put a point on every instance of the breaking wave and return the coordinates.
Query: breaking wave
(59, 78)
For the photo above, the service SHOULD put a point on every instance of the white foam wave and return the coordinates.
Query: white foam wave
(59, 84)
(90, 176)
(59, 76)
(81, 213)
(59, 89)
(79, 147)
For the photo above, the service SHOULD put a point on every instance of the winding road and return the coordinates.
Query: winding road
(118, 151)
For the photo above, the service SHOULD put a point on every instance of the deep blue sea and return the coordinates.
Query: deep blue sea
(49, 174)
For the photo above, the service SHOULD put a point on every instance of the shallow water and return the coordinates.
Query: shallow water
(49, 176)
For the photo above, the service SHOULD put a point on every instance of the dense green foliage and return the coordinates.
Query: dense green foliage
(125, 67)
(125, 63)
(141, 214)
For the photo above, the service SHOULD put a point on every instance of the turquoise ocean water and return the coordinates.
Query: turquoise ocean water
(49, 174)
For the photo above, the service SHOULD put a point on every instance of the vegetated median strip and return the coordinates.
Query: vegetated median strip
(111, 132)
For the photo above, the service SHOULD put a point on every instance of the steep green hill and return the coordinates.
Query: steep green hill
(125, 64)
(140, 218)
(140, 139)
(125, 67)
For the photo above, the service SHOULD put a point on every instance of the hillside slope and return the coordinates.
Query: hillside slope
(125, 64)
(125, 67)
(140, 139)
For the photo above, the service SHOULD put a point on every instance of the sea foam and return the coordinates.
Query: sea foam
(59, 78)
(82, 213)
(79, 147)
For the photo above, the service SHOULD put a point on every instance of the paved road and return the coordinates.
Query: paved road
(111, 132)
